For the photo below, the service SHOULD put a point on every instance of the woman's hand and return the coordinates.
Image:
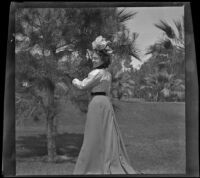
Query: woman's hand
(75, 81)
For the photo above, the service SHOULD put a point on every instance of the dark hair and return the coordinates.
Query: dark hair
(105, 59)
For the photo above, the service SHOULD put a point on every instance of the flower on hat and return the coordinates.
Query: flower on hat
(100, 43)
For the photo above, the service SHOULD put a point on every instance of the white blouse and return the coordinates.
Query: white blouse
(98, 80)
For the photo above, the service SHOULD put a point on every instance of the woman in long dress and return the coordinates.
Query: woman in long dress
(103, 150)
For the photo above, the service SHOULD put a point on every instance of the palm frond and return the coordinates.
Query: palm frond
(153, 48)
(167, 44)
(134, 48)
(124, 16)
(164, 26)
(180, 29)
(135, 54)
(135, 36)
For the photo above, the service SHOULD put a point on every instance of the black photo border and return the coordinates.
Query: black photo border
(192, 95)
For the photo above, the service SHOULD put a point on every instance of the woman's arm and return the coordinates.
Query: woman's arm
(92, 80)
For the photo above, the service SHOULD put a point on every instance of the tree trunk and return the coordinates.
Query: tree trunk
(51, 129)
(51, 134)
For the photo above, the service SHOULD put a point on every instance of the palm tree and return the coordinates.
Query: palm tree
(175, 38)
(172, 46)
(168, 58)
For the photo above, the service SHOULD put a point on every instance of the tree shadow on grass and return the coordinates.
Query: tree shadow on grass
(67, 144)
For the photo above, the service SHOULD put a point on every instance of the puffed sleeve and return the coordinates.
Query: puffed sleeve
(92, 79)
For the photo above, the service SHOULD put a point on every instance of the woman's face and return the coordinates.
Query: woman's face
(96, 60)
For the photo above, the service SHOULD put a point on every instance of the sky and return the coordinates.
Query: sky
(143, 23)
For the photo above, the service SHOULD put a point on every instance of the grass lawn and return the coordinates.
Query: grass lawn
(154, 135)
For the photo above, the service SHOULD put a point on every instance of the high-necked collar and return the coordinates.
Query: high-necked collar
(102, 66)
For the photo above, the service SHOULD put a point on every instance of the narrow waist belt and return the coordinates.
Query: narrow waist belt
(98, 93)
